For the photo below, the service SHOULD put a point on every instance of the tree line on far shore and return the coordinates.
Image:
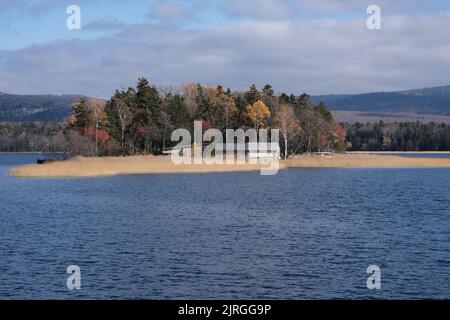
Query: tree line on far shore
(409, 136)
(140, 120)
(32, 137)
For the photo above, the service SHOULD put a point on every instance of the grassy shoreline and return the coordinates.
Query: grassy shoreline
(109, 166)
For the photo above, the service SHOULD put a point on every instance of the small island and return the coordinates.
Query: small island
(133, 133)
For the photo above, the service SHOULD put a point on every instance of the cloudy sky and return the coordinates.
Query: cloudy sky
(298, 46)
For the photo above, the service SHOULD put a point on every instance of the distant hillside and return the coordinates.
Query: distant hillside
(435, 101)
(36, 107)
(429, 101)
(388, 117)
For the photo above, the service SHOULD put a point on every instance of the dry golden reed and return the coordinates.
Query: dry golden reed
(91, 167)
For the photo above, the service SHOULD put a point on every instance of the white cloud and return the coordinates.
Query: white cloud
(104, 24)
(314, 56)
(276, 9)
(273, 9)
(164, 11)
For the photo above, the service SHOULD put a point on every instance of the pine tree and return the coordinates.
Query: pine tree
(268, 90)
(178, 111)
(80, 115)
(284, 99)
(252, 95)
(203, 104)
(148, 99)
(325, 112)
(304, 100)
(292, 99)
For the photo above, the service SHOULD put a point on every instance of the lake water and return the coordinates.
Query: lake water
(302, 234)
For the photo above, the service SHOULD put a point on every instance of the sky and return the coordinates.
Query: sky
(319, 47)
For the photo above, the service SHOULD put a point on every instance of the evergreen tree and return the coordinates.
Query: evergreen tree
(268, 90)
(292, 100)
(304, 100)
(284, 99)
(148, 99)
(203, 104)
(325, 112)
(252, 95)
(178, 111)
(80, 115)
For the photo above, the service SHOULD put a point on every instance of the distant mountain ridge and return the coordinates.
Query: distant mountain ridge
(56, 108)
(435, 101)
(430, 101)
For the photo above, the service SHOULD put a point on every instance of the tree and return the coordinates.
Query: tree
(149, 101)
(203, 103)
(269, 98)
(97, 108)
(79, 143)
(252, 95)
(325, 112)
(283, 98)
(339, 136)
(257, 113)
(85, 130)
(121, 111)
(313, 126)
(80, 115)
(178, 111)
(268, 90)
(165, 122)
(304, 100)
(189, 93)
(223, 109)
(288, 124)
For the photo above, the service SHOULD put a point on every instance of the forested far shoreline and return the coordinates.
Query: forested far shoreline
(139, 120)
(32, 137)
(398, 136)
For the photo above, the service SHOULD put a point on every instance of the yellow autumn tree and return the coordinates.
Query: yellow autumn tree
(257, 113)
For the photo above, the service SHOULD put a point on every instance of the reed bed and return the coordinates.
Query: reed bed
(108, 166)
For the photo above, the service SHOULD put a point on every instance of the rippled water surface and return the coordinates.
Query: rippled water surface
(302, 234)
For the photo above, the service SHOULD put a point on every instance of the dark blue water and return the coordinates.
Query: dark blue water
(302, 234)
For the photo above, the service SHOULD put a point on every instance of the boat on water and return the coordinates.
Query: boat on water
(52, 157)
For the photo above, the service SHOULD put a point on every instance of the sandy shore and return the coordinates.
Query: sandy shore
(367, 161)
(91, 167)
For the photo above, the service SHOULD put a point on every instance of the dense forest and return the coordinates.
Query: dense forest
(140, 120)
(32, 137)
(414, 136)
